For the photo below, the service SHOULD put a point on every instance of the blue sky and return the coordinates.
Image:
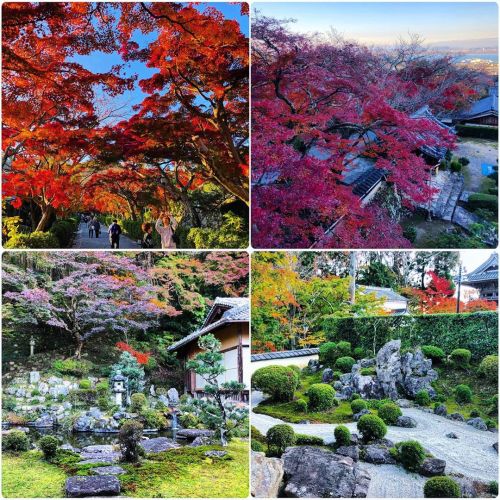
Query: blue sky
(101, 62)
(383, 23)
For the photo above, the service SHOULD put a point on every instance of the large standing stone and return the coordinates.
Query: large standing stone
(267, 474)
(84, 423)
(389, 368)
(173, 396)
(433, 467)
(418, 374)
(375, 454)
(157, 445)
(313, 365)
(316, 473)
(34, 377)
(92, 486)
(327, 376)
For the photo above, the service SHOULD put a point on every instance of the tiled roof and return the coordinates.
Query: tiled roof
(487, 271)
(264, 356)
(484, 106)
(238, 312)
(382, 293)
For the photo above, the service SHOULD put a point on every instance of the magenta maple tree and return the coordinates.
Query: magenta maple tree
(318, 107)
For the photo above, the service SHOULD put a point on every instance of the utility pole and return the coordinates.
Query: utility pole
(353, 264)
(459, 286)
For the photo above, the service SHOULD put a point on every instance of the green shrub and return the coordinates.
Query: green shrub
(344, 348)
(305, 440)
(328, 354)
(301, 405)
(63, 230)
(138, 401)
(342, 435)
(464, 161)
(422, 398)
(295, 368)
(103, 403)
(72, 367)
(48, 445)
(461, 357)
(153, 420)
(376, 404)
(257, 435)
(345, 363)
(368, 371)
(189, 420)
(81, 397)
(321, 397)
(478, 131)
(37, 239)
(129, 439)
(490, 423)
(280, 437)
(482, 200)
(102, 387)
(9, 403)
(35, 392)
(410, 233)
(474, 413)
(357, 405)
(256, 446)
(455, 166)
(371, 427)
(463, 394)
(441, 487)
(354, 396)
(411, 454)
(85, 384)
(488, 368)
(280, 382)
(358, 353)
(389, 413)
(15, 441)
(493, 488)
(435, 353)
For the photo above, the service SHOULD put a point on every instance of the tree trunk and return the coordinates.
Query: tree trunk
(352, 278)
(47, 213)
(79, 347)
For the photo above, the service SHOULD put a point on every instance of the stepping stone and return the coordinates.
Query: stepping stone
(215, 454)
(194, 433)
(111, 470)
(92, 486)
(157, 445)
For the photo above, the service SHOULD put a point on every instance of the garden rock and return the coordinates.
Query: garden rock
(94, 412)
(109, 470)
(98, 448)
(367, 363)
(451, 435)
(194, 433)
(45, 420)
(327, 376)
(376, 454)
(456, 416)
(467, 488)
(58, 390)
(157, 445)
(433, 467)
(163, 399)
(43, 388)
(357, 416)
(348, 451)
(267, 474)
(201, 441)
(34, 377)
(417, 373)
(495, 446)
(354, 438)
(173, 396)
(84, 423)
(478, 423)
(92, 486)
(313, 472)
(68, 447)
(215, 454)
(441, 410)
(405, 421)
(388, 363)
(337, 385)
(313, 365)
(403, 403)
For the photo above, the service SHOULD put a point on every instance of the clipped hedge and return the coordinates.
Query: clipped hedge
(63, 230)
(474, 331)
(477, 131)
(481, 200)
(278, 381)
(36, 239)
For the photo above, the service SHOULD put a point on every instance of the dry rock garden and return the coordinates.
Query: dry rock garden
(398, 424)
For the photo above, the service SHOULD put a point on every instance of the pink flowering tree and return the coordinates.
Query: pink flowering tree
(91, 295)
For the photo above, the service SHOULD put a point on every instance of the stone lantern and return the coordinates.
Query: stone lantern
(32, 346)
(119, 387)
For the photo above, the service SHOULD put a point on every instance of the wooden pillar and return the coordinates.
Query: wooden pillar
(240, 355)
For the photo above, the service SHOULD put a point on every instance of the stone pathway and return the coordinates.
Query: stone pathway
(444, 201)
(82, 239)
(472, 454)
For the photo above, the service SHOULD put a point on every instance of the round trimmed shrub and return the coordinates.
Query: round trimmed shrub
(280, 382)
(368, 371)
(357, 405)
(85, 384)
(463, 394)
(256, 446)
(48, 445)
(441, 487)
(345, 363)
(354, 396)
(295, 368)
(321, 397)
(301, 405)
(435, 353)
(129, 438)
(328, 354)
(488, 368)
(305, 440)
(371, 427)
(422, 398)
(280, 437)
(138, 401)
(342, 435)
(344, 348)
(411, 454)
(461, 357)
(358, 353)
(389, 413)
(474, 413)
(15, 441)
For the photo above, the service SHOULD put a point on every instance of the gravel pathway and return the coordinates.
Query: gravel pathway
(82, 239)
(472, 454)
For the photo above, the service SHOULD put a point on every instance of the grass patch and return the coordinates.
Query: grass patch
(186, 472)
(288, 412)
(28, 475)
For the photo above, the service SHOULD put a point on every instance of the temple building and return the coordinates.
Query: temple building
(485, 279)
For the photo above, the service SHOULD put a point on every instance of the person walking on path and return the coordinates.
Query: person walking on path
(166, 225)
(90, 225)
(97, 227)
(114, 232)
(147, 238)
